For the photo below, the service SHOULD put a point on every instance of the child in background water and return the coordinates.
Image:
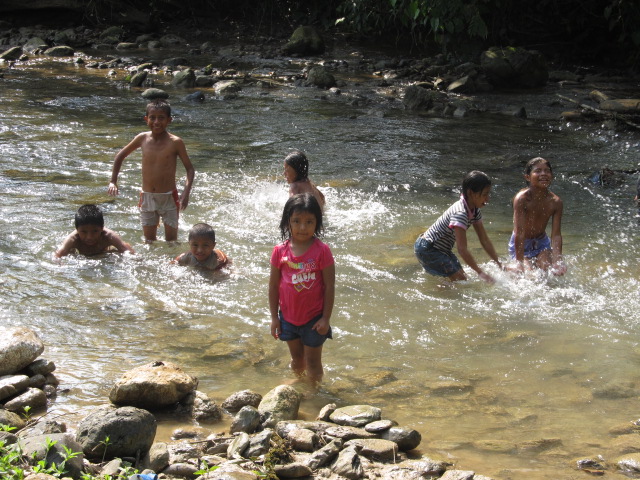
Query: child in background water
(296, 171)
(434, 248)
(203, 254)
(533, 207)
(90, 237)
(302, 286)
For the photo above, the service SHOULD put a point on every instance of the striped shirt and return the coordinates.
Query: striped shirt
(441, 233)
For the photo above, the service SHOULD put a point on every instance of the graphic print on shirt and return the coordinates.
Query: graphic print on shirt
(304, 276)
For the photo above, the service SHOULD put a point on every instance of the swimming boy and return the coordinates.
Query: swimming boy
(160, 149)
(90, 237)
(296, 172)
(533, 207)
(434, 247)
(202, 253)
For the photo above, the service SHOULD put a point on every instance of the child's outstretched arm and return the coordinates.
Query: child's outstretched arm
(519, 222)
(486, 242)
(67, 245)
(557, 265)
(115, 240)
(119, 158)
(463, 250)
(274, 298)
(329, 278)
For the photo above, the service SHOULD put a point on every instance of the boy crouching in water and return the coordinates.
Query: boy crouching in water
(434, 248)
(202, 253)
(533, 207)
(160, 150)
(90, 237)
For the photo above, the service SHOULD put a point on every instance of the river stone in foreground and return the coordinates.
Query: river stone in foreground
(355, 415)
(153, 386)
(36, 448)
(18, 348)
(130, 432)
(281, 403)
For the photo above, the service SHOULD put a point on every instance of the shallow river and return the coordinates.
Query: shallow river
(479, 370)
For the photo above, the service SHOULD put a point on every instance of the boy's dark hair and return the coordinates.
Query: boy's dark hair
(476, 181)
(299, 162)
(534, 161)
(89, 215)
(202, 230)
(302, 202)
(159, 104)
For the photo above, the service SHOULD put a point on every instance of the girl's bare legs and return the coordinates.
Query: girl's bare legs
(307, 359)
(296, 349)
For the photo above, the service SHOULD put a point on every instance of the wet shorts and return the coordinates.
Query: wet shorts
(532, 246)
(309, 337)
(435, 261)
(154, 206)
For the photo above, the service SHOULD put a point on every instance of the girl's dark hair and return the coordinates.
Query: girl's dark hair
(534, 161)
(302, 202)
(476, 181)
(89, 215)
(202, 230)
(299, 162)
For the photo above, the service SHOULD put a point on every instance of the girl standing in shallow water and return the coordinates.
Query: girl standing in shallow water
(296, 171)
(302, 286)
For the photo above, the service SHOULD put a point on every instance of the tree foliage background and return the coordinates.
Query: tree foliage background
(583, 28)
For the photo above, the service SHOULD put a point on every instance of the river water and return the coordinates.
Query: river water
(479, 370)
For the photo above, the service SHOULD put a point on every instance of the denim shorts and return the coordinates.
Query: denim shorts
(309, 337)
(435, 261)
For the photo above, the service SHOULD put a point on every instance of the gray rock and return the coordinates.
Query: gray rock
(237, 400)
(59, 51)
(227, 89)
(375, 448)
(355, 415)
(195, 97)
(112, 468)
(205, 81)
(171, 40)
(184, 79)
(37, 381)
(153, 93)
(40, 367)
(303, 440)
(514, 67)
(174, 62)
(326, 411)
(11, 419)
(462, 85)
(113, 31)
(152, 386)
(50, 448)
(32, 397)
(200, 407)
(292, 470)
(35, 43)
(18, 348)
(418, 98)
(406, 438)
(629, 463)
(130, 432)
(184, 452)
(348, 433)
(259, 443)
(13, 53)
(246, 420)
(305, 40)
(425, 467)
(238, 446)
(324, 455)
(11, 385)
(126, 46)
(379, 426)
(138, 78)
(281, 403)
(182, 470)
(320, 77)
(8, 438)
(348, 464)
(458, 475)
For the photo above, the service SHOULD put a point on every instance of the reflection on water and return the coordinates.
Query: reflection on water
(479, 370)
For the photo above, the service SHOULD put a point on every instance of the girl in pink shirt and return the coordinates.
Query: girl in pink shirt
(302, 286)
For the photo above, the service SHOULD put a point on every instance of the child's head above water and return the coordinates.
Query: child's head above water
(303, 202)
(159, 104)
(475, 181)
(89, 215)
(299, 163)
(202, 230)
(535, 161)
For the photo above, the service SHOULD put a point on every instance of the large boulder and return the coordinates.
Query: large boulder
(153, 386)
(18, 348)
(355, 415)
(304, 41)
(281, 403)
(184, 79)
(51, 449)
(514, 67)
(320, 77)
(13, 53)
(110, 432)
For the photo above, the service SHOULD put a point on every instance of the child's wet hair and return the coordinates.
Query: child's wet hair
(533, 162)
(202, 230)
(476, 181)
(302, 202)
(159, 104)
(89, 215)
(299, 162)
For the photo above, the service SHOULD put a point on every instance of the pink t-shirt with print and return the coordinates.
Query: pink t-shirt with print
(301, 291)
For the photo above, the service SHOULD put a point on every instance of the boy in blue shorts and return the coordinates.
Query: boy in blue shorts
(434, 248)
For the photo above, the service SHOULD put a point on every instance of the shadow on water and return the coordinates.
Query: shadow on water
(479, 370)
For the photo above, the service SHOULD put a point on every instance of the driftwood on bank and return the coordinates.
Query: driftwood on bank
(627, 119)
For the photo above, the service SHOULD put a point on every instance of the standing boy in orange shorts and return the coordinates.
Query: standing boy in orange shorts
(159, 196)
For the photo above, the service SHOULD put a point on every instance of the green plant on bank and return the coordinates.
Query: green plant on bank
(205, 468)
(26, 413)
(279, 453)
(106, 442)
